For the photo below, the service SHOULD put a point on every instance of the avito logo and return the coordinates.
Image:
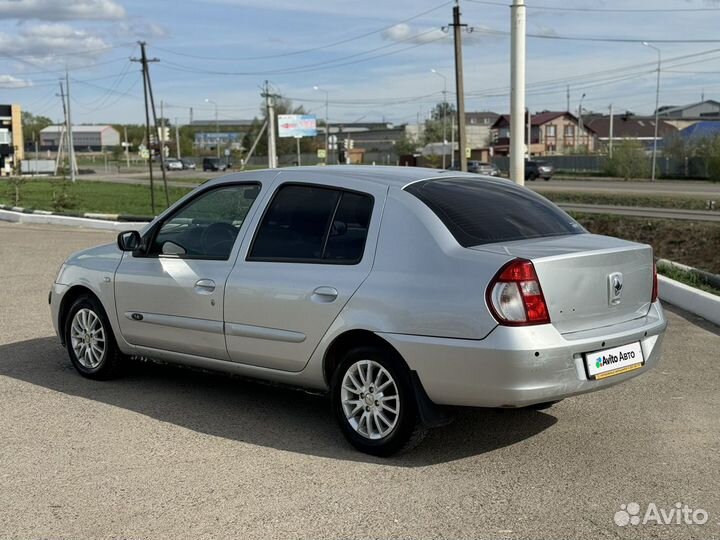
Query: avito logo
(614, 358)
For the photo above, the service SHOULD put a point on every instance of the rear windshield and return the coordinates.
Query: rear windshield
(484, 211)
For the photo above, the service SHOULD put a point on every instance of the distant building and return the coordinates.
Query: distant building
(226, 139)
(637, 128)
(708, 108)
(477, 128)
(701, 130)
(551, 132)
(12, 150)
(85, 138)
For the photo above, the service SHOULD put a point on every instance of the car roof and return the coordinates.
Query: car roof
(352, 174)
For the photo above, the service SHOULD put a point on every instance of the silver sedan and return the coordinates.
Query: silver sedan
(397, 290)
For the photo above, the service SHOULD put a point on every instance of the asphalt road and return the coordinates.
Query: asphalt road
(686, 188)
(638, 211)
(172, 453)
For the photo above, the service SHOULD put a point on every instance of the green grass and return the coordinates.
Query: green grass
(648, 201)
(688, 278)
(98, 197)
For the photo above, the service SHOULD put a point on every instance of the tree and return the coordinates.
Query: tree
(405, 145)
(285, 145)
(439, 124)
(713, 159)
(32, 125)
(628, 161)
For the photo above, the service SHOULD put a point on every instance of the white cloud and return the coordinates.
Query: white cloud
(404, 33)
(61, 10)
(139, 29)
(8, 81)
(44, 43)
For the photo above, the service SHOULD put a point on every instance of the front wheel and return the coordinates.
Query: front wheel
(90, 341)
(374, 402)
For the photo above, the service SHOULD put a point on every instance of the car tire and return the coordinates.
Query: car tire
(376, 414)
(90, 340)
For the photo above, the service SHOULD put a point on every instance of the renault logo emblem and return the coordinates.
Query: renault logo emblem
(615, 287)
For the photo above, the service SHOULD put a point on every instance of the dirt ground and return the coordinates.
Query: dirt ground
(693, 243)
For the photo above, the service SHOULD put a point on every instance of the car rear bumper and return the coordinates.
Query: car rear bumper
(520, 366)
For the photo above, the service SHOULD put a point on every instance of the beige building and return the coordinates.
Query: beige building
(551, 133)
(12, 150)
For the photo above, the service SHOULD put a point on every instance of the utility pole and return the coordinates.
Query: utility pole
(444, 116)
(127, 148)
(657, 107)
(567, 97)
(155, 121)
(610, 140)
(580, 122)
(270, 106)
(63, 132)
(177, 138)
(162, 125)
(459, 87)
(191, 116)
(452, 141)
(71, 146)
(144, 62)
(517, 91)
(529, 133)
(327, 123)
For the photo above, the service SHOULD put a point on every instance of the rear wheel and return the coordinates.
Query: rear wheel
(374, 403)
(90, 341)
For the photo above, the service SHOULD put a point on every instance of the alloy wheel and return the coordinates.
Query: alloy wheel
(370, 399)
(87, 337)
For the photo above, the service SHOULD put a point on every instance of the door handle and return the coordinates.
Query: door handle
(204, 286)
(324, 294)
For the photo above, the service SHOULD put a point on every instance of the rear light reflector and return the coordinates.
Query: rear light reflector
(515, 296)
(654, 296)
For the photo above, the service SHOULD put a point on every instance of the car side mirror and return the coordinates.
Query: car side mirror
(129, 240)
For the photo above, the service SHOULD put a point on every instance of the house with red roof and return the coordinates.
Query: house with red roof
(551, 133)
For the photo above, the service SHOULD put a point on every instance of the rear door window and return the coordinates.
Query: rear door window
(482, 211)
(309, 223)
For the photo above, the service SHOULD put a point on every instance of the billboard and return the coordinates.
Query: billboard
(297, 125)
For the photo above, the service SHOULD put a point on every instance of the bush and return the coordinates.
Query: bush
(14, 192)
(713, 160)
(62, 198)
(628, 161)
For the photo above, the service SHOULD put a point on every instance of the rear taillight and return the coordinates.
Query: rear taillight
(654, 284)
(515, 296)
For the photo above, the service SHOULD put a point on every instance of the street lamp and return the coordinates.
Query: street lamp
(217, 126)
(436, 72)
(657, 107)
(327, 125)
(580, 126)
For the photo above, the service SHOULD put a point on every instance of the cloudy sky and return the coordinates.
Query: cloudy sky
(373, 57)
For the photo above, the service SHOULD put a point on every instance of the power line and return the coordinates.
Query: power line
(601, 10)
(503, 33)
(312, 49)
(318, 66)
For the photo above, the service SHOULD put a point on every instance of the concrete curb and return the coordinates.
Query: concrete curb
(695, 301)
(49, 219)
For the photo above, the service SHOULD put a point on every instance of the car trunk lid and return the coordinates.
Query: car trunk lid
(589, 281)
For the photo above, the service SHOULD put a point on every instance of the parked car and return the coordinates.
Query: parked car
(397, 290)
(188, 164)
(479, 167)
(214, 164)
(172, 164)
(538, 169)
